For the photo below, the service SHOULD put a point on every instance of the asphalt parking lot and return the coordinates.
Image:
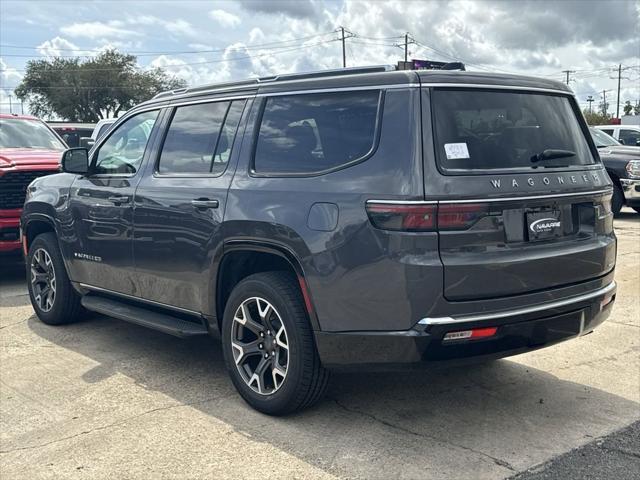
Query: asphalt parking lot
(106, 399)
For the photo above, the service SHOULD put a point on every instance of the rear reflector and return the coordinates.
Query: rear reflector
(402, 216)
(470, 334)
(606, 302)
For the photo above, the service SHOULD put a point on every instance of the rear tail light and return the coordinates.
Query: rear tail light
(473, 334)
(421, 217)
(454, 216)
(403, 216)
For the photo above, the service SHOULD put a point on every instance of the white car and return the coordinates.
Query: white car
(100, 129)
(625, 134)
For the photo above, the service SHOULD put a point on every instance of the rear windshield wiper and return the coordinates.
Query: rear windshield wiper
(551, 154)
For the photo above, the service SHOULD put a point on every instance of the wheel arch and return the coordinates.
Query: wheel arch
(36, 224)
(244, 258)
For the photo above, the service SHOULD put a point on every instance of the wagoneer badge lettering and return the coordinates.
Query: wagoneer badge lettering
(559, 180)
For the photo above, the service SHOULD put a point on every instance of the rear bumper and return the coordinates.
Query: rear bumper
(10, 230)
(631, 189)
(518, 330)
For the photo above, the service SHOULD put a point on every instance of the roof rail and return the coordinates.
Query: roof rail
(327, 73)
(277, 78)
(207, 87)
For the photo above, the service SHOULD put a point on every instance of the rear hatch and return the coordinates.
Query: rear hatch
(524, 204)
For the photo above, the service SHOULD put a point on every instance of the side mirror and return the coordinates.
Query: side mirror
(621, 141)
(75, 160)
(87, 142)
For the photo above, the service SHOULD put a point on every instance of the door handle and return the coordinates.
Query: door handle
(118, 199)
(204, 203)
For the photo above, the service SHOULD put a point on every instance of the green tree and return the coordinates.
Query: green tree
(596, 118)
(89, 90)
(627, 107)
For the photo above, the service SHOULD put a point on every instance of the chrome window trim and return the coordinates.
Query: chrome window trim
(139, 299)
(518, 311)
(184, 99)
(338, 89)
(497, 87)
(532, 197)
(404, 202)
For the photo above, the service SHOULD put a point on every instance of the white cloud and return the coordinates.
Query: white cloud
(58, 46)
(224, 18)
(95, 30)
(9, 75)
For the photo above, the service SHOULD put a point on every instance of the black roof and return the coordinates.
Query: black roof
(358, 77)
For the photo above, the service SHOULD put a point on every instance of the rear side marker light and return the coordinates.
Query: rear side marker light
(475, 333)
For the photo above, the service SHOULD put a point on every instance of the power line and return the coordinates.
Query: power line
(141, 53)
(278, 52)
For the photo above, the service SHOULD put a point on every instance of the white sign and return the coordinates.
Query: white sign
(456, 150)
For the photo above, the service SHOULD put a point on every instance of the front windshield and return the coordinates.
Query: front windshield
(23, 133)
(601, 139)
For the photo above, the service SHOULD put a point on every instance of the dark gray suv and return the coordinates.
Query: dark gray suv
(356, 219)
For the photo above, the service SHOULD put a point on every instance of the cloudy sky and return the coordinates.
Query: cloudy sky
(211, 41)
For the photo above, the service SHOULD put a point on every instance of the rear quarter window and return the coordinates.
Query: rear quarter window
(478, 130)
(315, 133)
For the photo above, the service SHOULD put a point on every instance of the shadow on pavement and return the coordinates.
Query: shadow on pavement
(503, 416)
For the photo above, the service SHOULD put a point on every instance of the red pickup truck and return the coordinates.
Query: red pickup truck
(28, 149)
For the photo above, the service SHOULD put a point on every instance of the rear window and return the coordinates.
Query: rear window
(313, 133)
(488, 130)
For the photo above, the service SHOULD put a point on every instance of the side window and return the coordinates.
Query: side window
(608, 131)
(227, 135)
(122, 152)
(311, 133)
(629, 137)
(200, 137)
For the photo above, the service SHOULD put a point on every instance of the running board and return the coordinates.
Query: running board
(140, 316)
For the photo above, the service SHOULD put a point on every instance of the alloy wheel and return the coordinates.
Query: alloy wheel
(43, 280)
(260, 345)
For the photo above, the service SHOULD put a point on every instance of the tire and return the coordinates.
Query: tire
(279, 297)
(64, 305)
(617, 201)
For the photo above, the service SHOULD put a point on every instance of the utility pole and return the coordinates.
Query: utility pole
(604, 103)
(10, 105)
(568, 72)
(618, 102)
(344, 34)
(406, 45)
(408, 40)
(590, 101)
(344, 54)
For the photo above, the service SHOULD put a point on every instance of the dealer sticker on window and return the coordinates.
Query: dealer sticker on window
(456, 150)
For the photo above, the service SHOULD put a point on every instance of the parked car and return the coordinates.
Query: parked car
(71, 132)
(28, 149)
(623, 166)
(100, 129)
(355, 219)
(625, 134)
